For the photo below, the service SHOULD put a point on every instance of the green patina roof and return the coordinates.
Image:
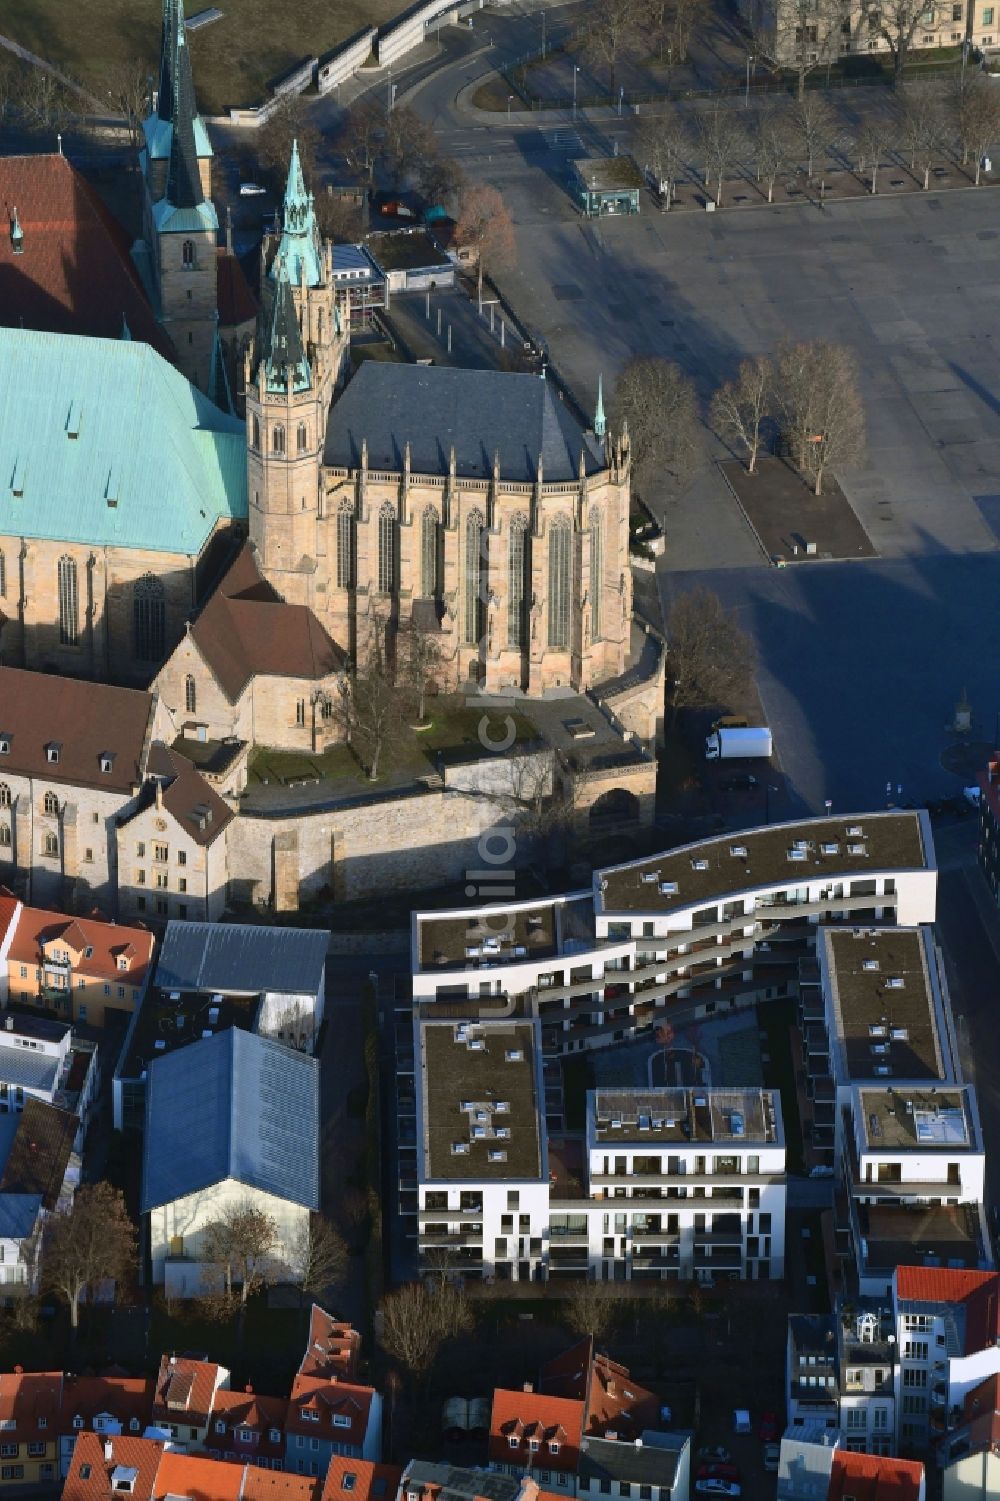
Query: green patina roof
(300, 246)
(171, 220)
(147, 440)
(159, 135)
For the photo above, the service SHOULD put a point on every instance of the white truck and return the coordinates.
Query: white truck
(739, 745)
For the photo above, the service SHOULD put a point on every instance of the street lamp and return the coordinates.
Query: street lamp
(576, 69)
(750, 62)
(768, 789)
(510, 101)
(621, 99)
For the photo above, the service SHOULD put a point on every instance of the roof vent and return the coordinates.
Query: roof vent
(52, 751)
(514, 1055)
(18, 476)
(497, 1155)
(738, 851)
(16, 234)
(699, 864)
(107, 761)
(5, 745)
(73, 420)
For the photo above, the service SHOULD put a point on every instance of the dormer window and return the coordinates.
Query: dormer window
(77, 1422)
(52, 752)
(309, 1415)
(122, 962)
(4, 745)
(275, 1435)
(43, 1422)
(341, 1420)
(512, 1441)
(554, 1448)
(107, 762)
(533, 1445)
(134, 1426)
(220, 1426)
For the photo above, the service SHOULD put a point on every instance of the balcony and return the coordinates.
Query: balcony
(661, 1237)
(719, 1237)
(472, 1237)
(565, 1235)
(444, 1213)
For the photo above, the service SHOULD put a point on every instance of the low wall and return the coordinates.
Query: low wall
(408, 29)
(341, 65)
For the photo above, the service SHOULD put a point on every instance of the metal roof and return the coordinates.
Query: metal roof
(232, 1106)
(479, 412)
(103, 442)
(30, 1070)
(647, 1462)
(237, 958)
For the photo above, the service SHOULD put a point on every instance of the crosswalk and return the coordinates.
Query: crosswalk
(565, 139)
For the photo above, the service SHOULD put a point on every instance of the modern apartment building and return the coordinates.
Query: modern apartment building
(675, 1183)
(948, 1332)
(709, 926)
(841, 1377)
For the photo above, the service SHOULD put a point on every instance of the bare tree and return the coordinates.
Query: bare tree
(484, 222)
(872, 143)
(362, 136)
(976, 109)
(408, 144)
(417, 1319)
(923, 128)
(610, 34)
(242, 1242)
(43, 100)
(368, 707)
(420, 662)
(128, 85)
(290, 122)
(740, 407)
(710, 658)
(820, 403)
(805, 35)
(440, 179)
(772, 154)
(90, 1243)
(897, 22)
(683, 17)
(812, 124)
(318, 1258)
(592, 1308)
(340, 217)
(721, 138)
(657, 402)
(663, 147)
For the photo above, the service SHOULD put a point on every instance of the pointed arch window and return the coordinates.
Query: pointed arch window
(596, 573)
(301, 438)
(69, 603)
(560, 584)
(255, 431)
(386, 549)
(5, 798)
(148, 619)
(190, 695)
(187, 255)
(430, 545)
(5, 835)
(50, 805)
(345, 547)
(474, 612)
(277, 438)
(518, 555)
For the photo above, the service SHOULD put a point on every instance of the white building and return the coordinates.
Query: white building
(39, 1060)
(672, 1184)
(718, 924)
(948, 1331)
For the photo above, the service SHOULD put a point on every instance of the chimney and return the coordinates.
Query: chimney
(612, 1390)
(159, 793)
(528, 1386)
(109, 1450)
(19, 1370)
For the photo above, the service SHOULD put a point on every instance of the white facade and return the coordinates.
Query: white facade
(177, 1229)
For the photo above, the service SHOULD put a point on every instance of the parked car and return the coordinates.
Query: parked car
(717, 1472)
(711, 1486)
(742, 782)
(767, 1430)
(772, 1457)
(716, 1454)
(741, 1420)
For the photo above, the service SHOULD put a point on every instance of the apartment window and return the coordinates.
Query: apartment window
(9, 1451)
(915, 1379)
(857, 1418)
(161, 880)
(220, 1427)
(916, 1349)
(36, 1451)
(140, 850)
(987, 15)
(161, 852)
(386, 549)
(182, 886)
(512, 1441)
(880, 1418)
(474, 529)
(190, 695)
(12, 1472)
(69, 608)
(560, 585)
(161, 906)
(596, 572)
(518, 585)
(913, 1405)
(140, 906)
(140, 878)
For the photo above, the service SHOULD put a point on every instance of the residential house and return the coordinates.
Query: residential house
(875, 1477)
(29, 1428)
(537, 1435)
(654, 1467)
(360, 1480)
(39, 1174)
(805, 1463)
(333, 1348)
(107, 1406)
(841, 1375)
(266, 980)
(185, 1394)
(41, 1060)
(948, 1334)
(80, 967)
(327, 1418)
(614, 1405)
(247, 1428)
(233, 1119)
(970, 1454)
(112, 1467)
(423, 1480)
(146, 1469)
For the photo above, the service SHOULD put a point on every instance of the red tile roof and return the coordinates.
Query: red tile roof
(123, 1397)
(330, 1399)
(371, 1482)
(333, 1347)
(533, 1418)
(108, 940)
(26, 1397)
(96, 1457)
(74, 274)
(8, 912)
(260, 1415)
(185, 1390)
(197, 1479)
(235, 301)
(260, 1484)
(613, 1402)
(979, 1292)
(874, 1477)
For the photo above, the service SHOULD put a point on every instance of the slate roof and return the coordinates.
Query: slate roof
(232, 1106)
(40, 1152)
(85, 720)
(18, 1214)
(23, 1068)
(192, 801)
(647, 1463)
(433, 407)
(246, 630)
(74, 274)
(242, 958)
(154, 464)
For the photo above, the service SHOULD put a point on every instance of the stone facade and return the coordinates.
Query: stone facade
(165, 870)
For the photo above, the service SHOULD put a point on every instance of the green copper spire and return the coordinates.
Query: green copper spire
(299, 248)
(285, 361)
(600, 423)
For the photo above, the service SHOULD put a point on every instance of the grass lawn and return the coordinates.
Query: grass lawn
(458, 726)
(775, 1019)
(234, 58)
(335, 765)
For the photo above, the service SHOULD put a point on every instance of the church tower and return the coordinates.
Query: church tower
(291, 380)
(181, 224)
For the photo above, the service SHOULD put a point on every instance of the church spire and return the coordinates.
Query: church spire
(300, 246)
(165, 88)
(183, 177)
(285, 365)
(600, 423)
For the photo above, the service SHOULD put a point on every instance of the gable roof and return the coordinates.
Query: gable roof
(241, 958)
(246, 631)
(92, 1466)
(237, 1106)
(613, 1401)
(197, 1478)
(74, 273)
(433, 407)
(343, 1409)
(185, 1389)
(874, 1477)
(28, 1398)
(333, 1347)
(638, 1463)
(260, 1484)
(185, 794)
(39, 1157)
(973, 1298)
(528, 1417)
(360, 1480)
(261, 1415)
(143, 432)
(85, 719)
(126, 1398)
(234, 299)
(108, 941)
